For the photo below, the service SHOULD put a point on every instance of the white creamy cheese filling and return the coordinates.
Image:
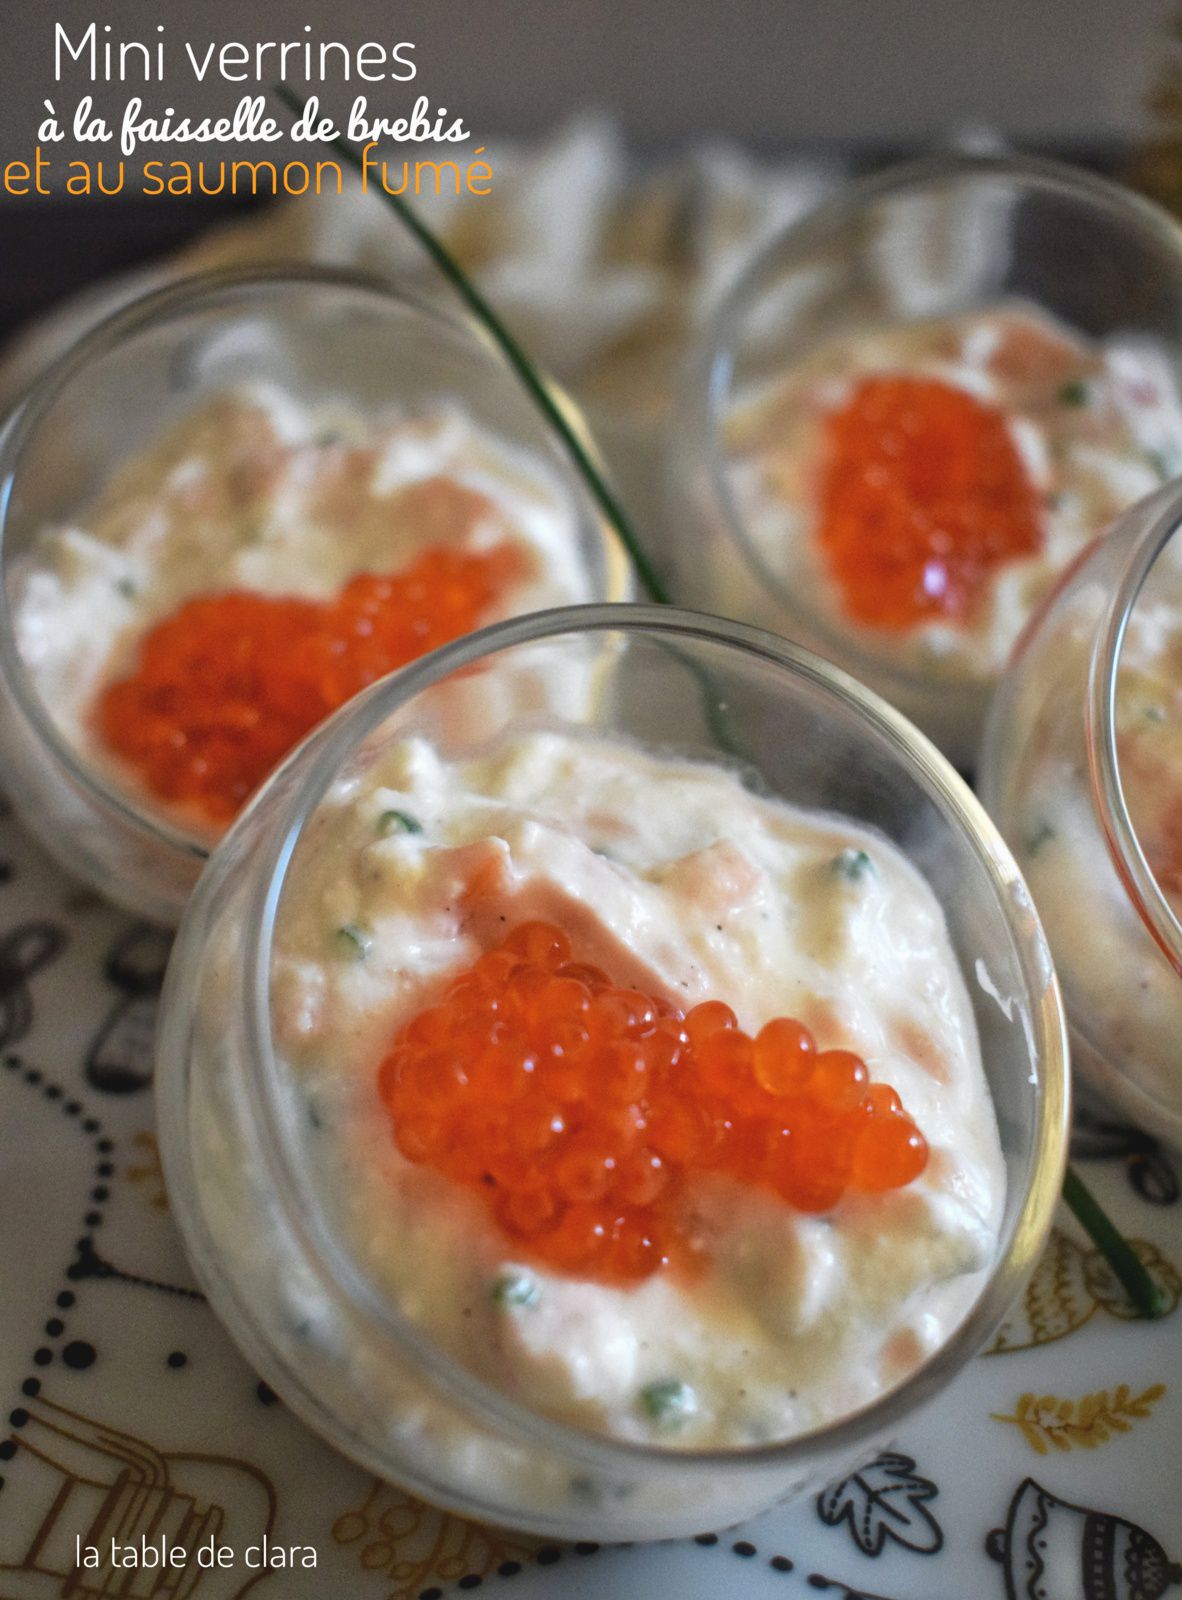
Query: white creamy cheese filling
(676, 878)
(256, 490)
(1097, 427)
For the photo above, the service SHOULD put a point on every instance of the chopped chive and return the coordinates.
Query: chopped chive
(1074, 393)
(314, 1115)
(354, 942)
(852, 865)
(669, 1401)
(329, 437)
(126, 587)
(1154, 714)
(1161, 464)
(515, 1289)
(1043, 834)
(394, 821)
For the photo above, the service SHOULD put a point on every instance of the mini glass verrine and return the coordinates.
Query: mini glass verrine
(916, 407)
(227, 508)
(1080, 767)
(671, 780)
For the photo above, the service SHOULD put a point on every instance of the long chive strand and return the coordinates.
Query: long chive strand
(517, 359)
(1115, 1248)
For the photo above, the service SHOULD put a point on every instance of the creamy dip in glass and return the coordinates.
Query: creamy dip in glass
(252, 467)
(258, 493)
(1092, 427)
(915, 407)
(677, 881)
(723, 819)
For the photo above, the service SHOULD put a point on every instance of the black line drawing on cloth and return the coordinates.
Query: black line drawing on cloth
(119, 1060)
(99, 1484)
(845, 1591)
(23, 951)
(87, 1263)
(1050, 1547)
(1147, 1166)
(885, 1500)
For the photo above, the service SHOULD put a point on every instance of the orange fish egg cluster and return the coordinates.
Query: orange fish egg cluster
(224, 687)
(583, 1110)
(923, 496)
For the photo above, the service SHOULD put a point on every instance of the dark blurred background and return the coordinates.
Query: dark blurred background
(770, 71)
(872, 77)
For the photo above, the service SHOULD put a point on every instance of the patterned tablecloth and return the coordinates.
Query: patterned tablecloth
(1050, 1468)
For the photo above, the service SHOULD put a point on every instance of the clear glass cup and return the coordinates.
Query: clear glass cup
(1070, 716)
(242, 1177)
(321, 335)
(933, 239)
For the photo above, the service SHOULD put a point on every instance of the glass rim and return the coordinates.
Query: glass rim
(715, 365)
(1107, 785)
(1018, 1246)
(157, 305)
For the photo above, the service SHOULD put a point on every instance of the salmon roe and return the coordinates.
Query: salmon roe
(582, 1110)
(923, 496)
(224, 687)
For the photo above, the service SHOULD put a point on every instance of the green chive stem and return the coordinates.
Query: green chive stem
(1114, 1247)
(517, 359)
